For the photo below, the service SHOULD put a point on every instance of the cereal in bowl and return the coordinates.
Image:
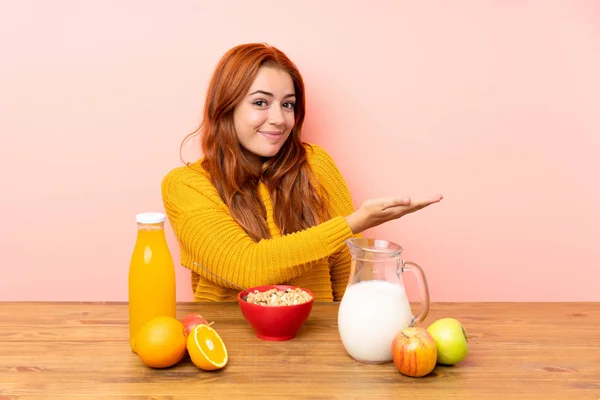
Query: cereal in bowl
(277, 297)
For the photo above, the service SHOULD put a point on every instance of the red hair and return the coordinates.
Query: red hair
(298, 200)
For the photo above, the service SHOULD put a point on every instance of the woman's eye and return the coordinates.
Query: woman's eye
(289, 105)
(260, 103)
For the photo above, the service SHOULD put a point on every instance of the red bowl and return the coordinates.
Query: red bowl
(275, 323)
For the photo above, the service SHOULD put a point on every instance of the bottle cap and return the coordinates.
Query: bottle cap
(150, 218)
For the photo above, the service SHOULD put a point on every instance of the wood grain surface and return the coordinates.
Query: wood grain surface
(81, 351)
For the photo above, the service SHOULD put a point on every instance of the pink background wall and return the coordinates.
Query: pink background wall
(495, 104)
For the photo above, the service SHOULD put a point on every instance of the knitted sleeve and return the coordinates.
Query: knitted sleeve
(340, 204)
(208, 235)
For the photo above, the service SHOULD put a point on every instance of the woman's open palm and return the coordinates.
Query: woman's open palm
(375, 212)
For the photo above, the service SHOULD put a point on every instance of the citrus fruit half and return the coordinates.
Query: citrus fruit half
(206, 348)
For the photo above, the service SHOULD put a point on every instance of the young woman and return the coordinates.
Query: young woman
(262, 207)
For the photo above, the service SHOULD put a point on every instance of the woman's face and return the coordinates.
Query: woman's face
(265, 117)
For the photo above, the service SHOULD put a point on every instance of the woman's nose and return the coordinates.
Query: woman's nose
(276, 115)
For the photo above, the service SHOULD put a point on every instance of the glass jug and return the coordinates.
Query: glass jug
(375, 307)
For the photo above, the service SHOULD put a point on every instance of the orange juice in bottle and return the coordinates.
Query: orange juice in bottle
(151, 274)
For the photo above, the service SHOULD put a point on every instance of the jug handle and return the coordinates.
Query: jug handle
(423, 289)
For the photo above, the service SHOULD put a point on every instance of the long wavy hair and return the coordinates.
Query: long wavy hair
(299, 201)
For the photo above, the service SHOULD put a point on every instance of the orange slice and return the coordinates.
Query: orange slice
(206, 348)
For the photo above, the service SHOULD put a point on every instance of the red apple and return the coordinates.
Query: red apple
(191, 320)
(414, 352)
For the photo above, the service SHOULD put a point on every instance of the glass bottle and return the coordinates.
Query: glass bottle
(151, 275)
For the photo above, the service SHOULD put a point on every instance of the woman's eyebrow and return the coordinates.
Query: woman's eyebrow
(271, 94)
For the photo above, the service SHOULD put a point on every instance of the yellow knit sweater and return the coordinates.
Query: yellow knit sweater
(316, 258)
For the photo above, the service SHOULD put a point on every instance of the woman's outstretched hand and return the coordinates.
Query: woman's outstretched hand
(375, 212)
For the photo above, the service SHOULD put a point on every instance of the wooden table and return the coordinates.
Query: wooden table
(81, 351)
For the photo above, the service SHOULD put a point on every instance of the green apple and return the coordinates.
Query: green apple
(451, 340)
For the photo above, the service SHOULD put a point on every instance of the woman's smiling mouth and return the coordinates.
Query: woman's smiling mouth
(272, 134)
